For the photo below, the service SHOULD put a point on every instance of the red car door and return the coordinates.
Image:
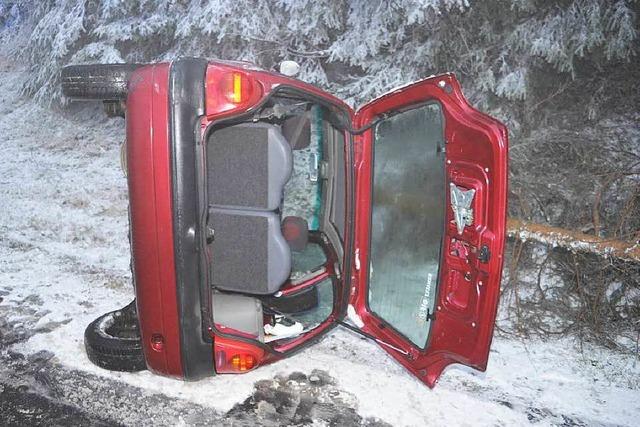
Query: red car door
(431, 191)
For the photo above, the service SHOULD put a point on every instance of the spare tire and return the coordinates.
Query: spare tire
(304, 300)
(113, 342)
(106, 82)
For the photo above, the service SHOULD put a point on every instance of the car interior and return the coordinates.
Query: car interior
(276, 204)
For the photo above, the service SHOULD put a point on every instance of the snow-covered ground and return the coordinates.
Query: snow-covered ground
(64, 260)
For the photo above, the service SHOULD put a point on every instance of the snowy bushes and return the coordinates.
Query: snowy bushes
(552, 292)
(532, 63)
(355, 48)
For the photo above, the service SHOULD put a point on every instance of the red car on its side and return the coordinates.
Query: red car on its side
(264, 212)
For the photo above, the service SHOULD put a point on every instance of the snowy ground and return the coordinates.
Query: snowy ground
(64, 261)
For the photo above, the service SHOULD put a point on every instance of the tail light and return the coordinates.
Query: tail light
(230, 90)
(239, 362)
(243, 362)
(233, 357)
(236, 87)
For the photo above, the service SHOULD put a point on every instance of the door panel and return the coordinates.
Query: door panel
(460, 326)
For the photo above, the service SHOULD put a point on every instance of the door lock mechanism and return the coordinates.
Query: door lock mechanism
(484, 255)
(461, 205)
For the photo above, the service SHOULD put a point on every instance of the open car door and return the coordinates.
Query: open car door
(431, 191)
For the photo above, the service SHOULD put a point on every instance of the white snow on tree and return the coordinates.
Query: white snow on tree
(357, 49)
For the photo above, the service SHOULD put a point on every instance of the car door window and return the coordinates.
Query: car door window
(407, 220)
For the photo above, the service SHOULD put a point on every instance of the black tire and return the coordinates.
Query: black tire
(306, 299)
(113, 342)
(106, 82)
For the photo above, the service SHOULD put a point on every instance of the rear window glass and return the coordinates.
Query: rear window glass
(407, 221)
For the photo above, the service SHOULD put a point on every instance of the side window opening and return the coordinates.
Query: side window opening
(303, 191)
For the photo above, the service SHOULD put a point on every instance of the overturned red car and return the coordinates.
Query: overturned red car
(264, 212)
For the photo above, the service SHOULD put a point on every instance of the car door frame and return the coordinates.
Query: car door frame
(456, 336)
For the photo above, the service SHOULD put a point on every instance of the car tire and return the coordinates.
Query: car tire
(106, 82)
(113, 342)
(304, 300)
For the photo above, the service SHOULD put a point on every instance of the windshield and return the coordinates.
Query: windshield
(407, 221)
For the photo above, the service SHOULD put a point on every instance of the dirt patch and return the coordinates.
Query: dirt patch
(38, 390)
(21, 407)
(299, 399)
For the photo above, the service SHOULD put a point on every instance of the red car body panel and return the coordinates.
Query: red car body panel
(476, 158)
(149, 177)
(152, 213)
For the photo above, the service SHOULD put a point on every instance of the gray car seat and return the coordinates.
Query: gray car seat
(248, 166)
(238, 312)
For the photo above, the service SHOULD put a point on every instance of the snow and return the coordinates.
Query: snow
(64, 261)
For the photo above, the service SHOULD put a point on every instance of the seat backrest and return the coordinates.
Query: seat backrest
(248, 166)
(250, 254)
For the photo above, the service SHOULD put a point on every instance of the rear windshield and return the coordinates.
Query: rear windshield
(407, 221)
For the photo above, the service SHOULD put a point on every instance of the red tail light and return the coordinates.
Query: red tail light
(157, 342)
(234, 357)
(230, 90)
(239, 362)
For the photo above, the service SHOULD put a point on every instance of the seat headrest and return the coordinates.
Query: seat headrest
(296, 232)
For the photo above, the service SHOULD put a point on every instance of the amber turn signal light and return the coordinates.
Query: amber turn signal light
(243, 362)
(236, 87)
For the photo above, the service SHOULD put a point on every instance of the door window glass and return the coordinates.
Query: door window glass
(407, 221)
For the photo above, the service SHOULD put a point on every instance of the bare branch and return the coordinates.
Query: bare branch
(572, 240)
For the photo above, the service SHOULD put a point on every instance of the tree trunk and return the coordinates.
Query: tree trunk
(573, 240)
